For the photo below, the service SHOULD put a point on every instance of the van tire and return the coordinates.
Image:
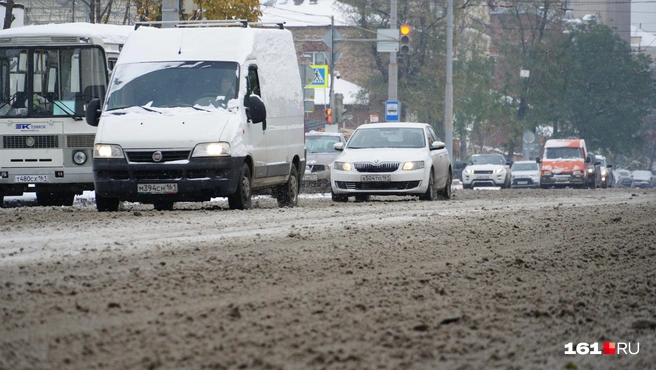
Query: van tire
(287, 194)
(104, 204)
(241, 199)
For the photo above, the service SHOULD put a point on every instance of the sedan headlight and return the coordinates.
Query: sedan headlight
(107, 151)
(498, 170)
(414, 165)
(343, 166)
(220, 149)
(590, 170)
(469, 171)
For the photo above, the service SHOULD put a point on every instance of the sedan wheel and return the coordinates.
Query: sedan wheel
(430, 192)
(445, 193)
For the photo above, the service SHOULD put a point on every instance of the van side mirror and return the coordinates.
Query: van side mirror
(538, 160)
(257, 110)
(338, 146)
(92, 114)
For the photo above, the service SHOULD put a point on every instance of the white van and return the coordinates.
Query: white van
(202, 110)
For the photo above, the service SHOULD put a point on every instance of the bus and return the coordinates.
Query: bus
(48, 74)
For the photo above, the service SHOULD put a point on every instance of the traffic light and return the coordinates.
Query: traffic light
(329, 115)
(405, 39)
(339, 108)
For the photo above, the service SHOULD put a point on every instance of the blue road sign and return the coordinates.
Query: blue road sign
(319, 77)
(392, 111)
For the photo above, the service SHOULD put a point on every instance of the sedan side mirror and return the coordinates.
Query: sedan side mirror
(438, 145)
(338, 146)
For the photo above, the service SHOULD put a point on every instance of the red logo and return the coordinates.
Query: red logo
(609, 348)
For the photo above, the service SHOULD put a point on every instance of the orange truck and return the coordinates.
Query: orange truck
(564, 163)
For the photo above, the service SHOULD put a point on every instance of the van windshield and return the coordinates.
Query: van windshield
(564, 153)
(173, 85)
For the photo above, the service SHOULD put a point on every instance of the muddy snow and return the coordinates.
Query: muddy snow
(491, 279)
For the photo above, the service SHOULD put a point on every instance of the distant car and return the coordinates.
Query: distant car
(643, 179)
(398, 158)
(605, 171)
(458, 167)
(486, 170)
(525, 174)
(622, 179)
(320, 155)
(593, 168)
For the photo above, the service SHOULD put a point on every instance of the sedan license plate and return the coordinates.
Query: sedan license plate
(376, 178)
(311, 177)
(522, 182)
(157, 188)
(31, 178)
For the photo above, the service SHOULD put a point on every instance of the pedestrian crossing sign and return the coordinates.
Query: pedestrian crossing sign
(320, 77)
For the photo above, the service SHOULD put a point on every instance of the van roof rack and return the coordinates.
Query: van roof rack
(211, 23)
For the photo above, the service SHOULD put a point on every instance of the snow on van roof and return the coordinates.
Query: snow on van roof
(110, 33)
(231, 44)
(559, 143)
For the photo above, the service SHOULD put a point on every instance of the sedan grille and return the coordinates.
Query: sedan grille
(397, 185)
(377, 167)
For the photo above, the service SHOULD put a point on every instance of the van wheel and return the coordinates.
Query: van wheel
(163, 205)
(287, 194)
(445, 194)
(241, 199)
(104, 204)
(430, 192)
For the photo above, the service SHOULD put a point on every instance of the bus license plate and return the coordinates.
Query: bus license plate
(31, 178)
(376, 178)
(157, 188)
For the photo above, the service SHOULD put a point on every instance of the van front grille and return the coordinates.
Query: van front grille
(146, 156)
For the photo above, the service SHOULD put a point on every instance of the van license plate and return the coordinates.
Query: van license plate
(376, 178)
(157, 188)
(31, 178)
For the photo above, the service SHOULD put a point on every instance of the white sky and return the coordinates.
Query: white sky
(644, 12)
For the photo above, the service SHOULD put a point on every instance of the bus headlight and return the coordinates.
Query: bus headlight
(80, 157)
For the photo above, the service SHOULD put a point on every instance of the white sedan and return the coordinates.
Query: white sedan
(396, 158)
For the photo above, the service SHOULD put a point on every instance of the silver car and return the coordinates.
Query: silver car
(320, 155)
(525, 174)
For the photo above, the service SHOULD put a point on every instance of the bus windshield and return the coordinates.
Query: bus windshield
(50, 81)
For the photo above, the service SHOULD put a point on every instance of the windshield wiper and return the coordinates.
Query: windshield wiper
(67, 110)
(131, 106)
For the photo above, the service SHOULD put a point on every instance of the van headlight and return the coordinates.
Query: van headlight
(343, 166)
(221, 149)
(107, 151)
(414, 165)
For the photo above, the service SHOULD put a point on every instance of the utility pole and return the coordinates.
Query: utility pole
(448, 94)
(331, 92)
(169, 13)
(393, 74)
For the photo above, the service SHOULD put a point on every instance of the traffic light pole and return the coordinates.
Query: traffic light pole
(448, 93)
(393, 74)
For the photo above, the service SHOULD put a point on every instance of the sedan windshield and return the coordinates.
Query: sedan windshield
(525, 167)
(321, 144)
(173, 84)
(387, 137)
(487, 159)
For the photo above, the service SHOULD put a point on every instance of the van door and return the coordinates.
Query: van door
(254, 137)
